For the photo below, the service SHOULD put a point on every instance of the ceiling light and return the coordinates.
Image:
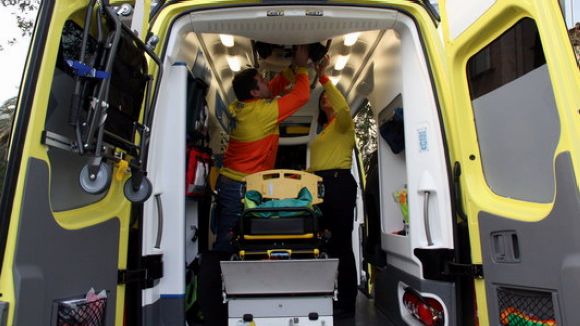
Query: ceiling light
(234, 63)
(227, 40)
(334, 79)
(340, 62)
(350, 39)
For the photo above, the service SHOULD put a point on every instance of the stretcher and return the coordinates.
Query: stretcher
(280, 219)
(282, 276)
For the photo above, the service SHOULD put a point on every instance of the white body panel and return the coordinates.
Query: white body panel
(167, 141)
(463, 13)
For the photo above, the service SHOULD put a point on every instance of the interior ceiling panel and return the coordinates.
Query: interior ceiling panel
(357, 55)
(290, 25)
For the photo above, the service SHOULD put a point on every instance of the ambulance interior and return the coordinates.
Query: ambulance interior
(378, 59)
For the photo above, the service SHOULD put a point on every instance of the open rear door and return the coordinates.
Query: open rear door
(515, 86)
(75, 175)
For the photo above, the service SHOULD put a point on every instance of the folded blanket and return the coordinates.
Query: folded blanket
(253, 199)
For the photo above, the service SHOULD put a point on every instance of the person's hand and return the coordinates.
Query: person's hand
(301, 56)
(322, 64)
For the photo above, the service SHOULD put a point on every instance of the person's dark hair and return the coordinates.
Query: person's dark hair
(244, 82)
(322, 118)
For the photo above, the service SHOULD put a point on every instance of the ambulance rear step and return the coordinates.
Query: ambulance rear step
(280, 292)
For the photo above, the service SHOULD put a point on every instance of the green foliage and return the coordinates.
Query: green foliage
(366, 133)
(25, 12)
(574, 34)
(6, 115)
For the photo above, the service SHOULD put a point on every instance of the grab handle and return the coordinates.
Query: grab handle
(426, 218)
(427, 187)
(159, 221)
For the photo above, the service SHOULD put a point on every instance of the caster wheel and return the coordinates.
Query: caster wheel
(95, 184)
(141, 194)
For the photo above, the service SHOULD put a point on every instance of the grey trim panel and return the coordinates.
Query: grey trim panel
(280, 306)
(549, 250)
(3, 313)
(518, 132)
(167, 311)
(65, 166)
(278, 277)
(53, 263)
(386, 293)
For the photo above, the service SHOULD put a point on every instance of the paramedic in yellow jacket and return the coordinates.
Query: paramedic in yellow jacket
(254, 137)
(331, 158)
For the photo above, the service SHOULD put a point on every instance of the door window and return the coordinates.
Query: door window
(515, 114)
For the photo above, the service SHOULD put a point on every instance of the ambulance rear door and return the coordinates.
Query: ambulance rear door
(74, 175)
(515, 86)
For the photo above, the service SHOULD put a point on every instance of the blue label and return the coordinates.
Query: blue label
(423, 143)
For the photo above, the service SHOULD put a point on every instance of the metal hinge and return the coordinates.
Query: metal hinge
(469, 270)
(151, 270)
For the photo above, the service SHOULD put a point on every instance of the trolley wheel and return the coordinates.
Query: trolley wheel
(139, 195)
(95, 184)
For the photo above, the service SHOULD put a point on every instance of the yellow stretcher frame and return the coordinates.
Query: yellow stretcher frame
(270, 252)
(284, 184)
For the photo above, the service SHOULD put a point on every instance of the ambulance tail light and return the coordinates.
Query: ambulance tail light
(428, 311)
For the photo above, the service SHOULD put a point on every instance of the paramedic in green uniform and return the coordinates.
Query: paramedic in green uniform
(331, 158)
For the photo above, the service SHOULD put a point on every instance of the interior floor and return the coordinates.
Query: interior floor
(367, 314)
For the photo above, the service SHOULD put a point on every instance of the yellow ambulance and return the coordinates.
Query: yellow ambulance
(471, 215)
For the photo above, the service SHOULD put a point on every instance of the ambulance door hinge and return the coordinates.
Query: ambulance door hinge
(52, 139)
(466, 270)
(150, 271)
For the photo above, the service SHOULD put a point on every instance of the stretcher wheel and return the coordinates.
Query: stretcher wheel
(140, 194)
(96, 183)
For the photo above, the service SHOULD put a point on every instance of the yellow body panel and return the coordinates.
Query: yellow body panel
(278, 237)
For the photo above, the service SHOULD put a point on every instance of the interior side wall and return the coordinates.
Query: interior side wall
(420, 167)
(166, 171)
(163, 304)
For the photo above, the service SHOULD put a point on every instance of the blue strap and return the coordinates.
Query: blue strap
(83, 70)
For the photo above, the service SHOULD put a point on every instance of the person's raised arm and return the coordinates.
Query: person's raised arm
(281, 81)
(300, 93)
(335, 97)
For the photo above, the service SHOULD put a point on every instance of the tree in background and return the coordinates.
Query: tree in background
(6, 113)
(574, 34)
(366, 133)
(25, 12)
